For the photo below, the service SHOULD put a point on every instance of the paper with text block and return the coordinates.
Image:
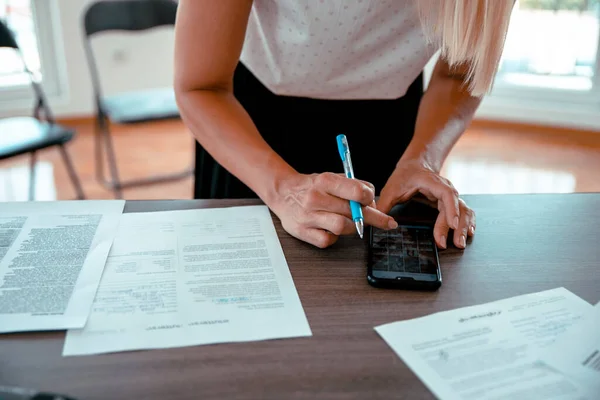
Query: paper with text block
(490, 351)
(52, 257)
(183, 278)
(577, 353)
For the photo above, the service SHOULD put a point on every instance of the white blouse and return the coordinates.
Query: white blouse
(336, 49)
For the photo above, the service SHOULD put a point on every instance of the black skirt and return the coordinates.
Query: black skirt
(303, 132)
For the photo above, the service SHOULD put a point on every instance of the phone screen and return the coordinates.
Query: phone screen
(408, 251)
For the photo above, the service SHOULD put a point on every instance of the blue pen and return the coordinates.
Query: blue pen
(355, 207)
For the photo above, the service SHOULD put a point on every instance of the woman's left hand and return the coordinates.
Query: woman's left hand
(412, 177)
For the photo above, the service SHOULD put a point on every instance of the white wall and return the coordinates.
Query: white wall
(126, 62)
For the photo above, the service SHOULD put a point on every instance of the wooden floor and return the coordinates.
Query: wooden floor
(487, 159)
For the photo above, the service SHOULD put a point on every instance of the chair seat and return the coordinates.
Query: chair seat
(21, 135)
(146, 105)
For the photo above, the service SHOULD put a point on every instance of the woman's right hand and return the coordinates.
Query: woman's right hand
(315, 208)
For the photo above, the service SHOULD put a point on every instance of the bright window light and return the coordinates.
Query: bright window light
(481, 177)
(552, 44)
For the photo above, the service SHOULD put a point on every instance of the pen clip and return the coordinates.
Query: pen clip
(343, 148)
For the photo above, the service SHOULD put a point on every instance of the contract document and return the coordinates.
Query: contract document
(577, 353)
(183, 278)
(490, 351)
(52, 256)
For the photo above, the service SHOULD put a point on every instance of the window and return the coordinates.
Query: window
(549, 72)
(552, 44)
(479, 176)
(17, 14)
(30, 21)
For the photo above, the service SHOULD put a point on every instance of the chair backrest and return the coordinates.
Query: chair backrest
(121, 15)
(7, 39)
(128, 15)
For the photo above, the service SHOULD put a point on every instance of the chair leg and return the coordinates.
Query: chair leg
(32, 163)
(98, 151)
(104, 141)
(72, 173)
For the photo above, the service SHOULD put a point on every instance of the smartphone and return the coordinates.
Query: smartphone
(404, 258)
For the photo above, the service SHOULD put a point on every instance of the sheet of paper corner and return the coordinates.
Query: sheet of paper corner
(423, 372)
(577, 352)
(86, 342)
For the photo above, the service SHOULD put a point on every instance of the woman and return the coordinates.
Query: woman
(265, 86)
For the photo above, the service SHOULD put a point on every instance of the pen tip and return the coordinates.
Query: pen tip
(360, 228)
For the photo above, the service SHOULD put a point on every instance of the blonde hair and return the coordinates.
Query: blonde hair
(470, 33)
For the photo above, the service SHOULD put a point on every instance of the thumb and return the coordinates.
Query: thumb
(386, 201)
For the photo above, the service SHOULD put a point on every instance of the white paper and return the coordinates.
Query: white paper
(182, 278)
(489, 351)
(577, 353)
(52, 257)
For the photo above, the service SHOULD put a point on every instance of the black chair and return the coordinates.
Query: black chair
(28, 135)
(143, 106)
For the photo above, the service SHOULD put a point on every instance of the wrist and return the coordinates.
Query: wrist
(273, 187)
(421, 159)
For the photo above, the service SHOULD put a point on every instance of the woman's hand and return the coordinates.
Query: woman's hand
(315, 208)
(412, 177)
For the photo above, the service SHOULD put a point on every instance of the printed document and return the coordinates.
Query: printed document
(183, 278)
(577, 353)
(52, 256)
(490, 351)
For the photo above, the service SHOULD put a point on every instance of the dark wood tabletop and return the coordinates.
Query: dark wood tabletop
(524, 244)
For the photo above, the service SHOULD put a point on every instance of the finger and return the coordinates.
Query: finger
(447, 200)
(471, 232)
(388, 199)
(376, 218)
(441, 229)
(369, 184)
(317, 237)
(371, 215)
(334, 223)
(465, 209)
(460, 233)
(316, 200)
(466, 225)
(345, 188)
(450, 200)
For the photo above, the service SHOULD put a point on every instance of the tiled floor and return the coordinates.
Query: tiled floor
(486, 160)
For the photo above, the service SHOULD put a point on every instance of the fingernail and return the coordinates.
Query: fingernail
(392, 224)
(463, 241)
(443, 240)
(472, 229)
(455, 223)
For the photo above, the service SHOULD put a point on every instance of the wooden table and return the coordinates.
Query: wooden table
(524, 244)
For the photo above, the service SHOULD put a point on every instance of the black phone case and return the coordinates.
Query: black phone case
(403, 283)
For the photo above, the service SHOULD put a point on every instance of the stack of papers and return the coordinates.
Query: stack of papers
(183, 278)
(122, 282)
(504, 349)
(51, 259)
